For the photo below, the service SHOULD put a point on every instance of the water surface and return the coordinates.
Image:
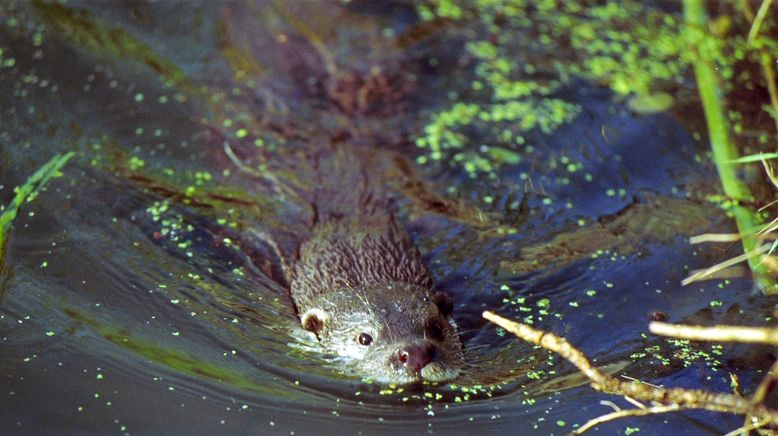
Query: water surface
(139, 294)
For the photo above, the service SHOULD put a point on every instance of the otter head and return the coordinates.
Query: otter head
(393, 333)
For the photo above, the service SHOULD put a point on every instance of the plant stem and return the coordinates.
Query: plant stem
(765, 58)
(724, 150)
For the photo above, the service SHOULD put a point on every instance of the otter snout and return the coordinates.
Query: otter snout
(415, 357)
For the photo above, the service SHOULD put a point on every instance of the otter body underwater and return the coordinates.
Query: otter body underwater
(360, 285)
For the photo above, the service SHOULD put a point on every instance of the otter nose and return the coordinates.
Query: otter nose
(417, 356)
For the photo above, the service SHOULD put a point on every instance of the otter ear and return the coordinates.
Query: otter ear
(315, 320)
(444, 302)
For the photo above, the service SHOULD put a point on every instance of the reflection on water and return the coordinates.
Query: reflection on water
(141, 291)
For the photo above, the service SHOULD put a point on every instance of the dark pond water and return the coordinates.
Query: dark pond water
(139, 293)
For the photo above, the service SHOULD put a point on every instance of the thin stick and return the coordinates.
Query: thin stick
(625, 414)
(611, 404)
(764, 388)
(682, 398)
(766, 164)
(746, 335)
(747, 428)
(765, 385)
(714, 237)
(772, 203)
(624, 376)
(635, 403)
(726, 264)
(769, 227)
(270, 178)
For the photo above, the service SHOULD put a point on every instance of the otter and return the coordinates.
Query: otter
(359, 282)
(354, 275)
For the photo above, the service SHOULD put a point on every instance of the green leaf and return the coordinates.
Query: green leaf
(754, 158)
(27, 191)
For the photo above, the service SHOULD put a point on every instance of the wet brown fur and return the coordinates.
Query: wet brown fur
(356, 240)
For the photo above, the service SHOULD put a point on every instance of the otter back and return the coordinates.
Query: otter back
(356, 240)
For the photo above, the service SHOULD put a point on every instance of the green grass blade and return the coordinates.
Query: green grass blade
(724, 150)
(27, 192)
(754, 158)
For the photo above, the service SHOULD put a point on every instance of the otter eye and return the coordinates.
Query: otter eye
(435, 331)
(364, 339)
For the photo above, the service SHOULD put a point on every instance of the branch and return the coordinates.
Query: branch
(677, 397)
(625, 414)
(746, 335)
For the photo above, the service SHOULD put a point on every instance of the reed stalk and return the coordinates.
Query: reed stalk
(722, 145)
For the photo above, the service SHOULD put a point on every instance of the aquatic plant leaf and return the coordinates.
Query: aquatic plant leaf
(772, 247)
(754, 158)
(651, 103)
(175, 360)
(504, 155)
(27, 192)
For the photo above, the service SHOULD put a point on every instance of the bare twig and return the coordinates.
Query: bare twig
(625, 414)
(772, 203)
(768, 169)
(764, 388)
(611, 404)
(673, 399)
(702, 275)
(635, 403)
(624, 376)
(745, 429)
(747, 335)
(714, 237)
(764, 335)
(268, 177)
(769, 227)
